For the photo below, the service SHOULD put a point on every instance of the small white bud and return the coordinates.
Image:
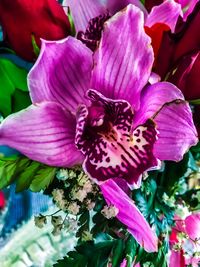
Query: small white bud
(73, 208)
(110, 211)
(40, 221)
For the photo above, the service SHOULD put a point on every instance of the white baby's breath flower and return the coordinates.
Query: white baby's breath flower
(87, 186)
(90, 204)
(58, 195)
(82, 179)
(63, 204)
(73, 208)
(110, 211)
(40, 221)
(62, 174)
(71, 224)
(56, 220)
(71, 174)
(57, 230)
(81, 195)
(182, 211)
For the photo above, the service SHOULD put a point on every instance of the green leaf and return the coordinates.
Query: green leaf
(77, 261)
(130, 250)
(12, 79)
(195, 102)
(36, 48)
(173, 172)
(9, 170)
(43, 178)
(117, 253)
(25, 178)
(26, 173)
(20, 100)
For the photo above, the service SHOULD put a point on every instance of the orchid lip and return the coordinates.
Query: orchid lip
(112, 149)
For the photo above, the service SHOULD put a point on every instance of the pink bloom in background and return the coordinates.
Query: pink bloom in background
(188, 247)
(186, 5)
(99, 110)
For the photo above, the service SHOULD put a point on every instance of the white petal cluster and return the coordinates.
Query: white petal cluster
(40, 221)
(73, 208)
(110, 211)
(59, 198)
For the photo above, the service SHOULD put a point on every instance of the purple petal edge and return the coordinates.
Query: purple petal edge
(129, 215)
(44, 132)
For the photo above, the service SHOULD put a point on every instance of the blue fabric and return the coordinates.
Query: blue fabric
(21, 206)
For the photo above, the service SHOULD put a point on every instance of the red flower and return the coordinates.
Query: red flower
(181, 63)
(23, 19)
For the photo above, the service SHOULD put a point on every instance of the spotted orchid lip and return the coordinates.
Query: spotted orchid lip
(111, 150)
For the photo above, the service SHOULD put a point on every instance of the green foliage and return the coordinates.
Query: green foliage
(71, 21)
(43, 177)
(91, 254)
(36, 48)
(13, 88)
(26, 173)
(84, 221)
(195, 102)
(173, 171)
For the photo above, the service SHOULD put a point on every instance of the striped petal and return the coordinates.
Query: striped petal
(176, 131)
(82, 11)
(122, 64)
(61, 73)
(129, 215)
(44, 132)
(167, 13)
(117, 5)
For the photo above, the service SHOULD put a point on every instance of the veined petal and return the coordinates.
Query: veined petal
(116, 5)
(61, 73)
(44, 132)
(188, 6)
(129, 215)
(167, 13)
(83, 10)
(153, 97)
(110, 149)
(123, 61)
(192, 226)
(176, 130)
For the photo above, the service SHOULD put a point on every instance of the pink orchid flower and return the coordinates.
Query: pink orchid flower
(120, 128)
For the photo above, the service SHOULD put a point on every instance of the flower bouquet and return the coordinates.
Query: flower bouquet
(101, 102)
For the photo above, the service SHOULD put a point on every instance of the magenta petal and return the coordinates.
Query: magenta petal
(188, 6)
(153, 98)
(177, 132)
(129, 215)
(61, 73)
(124, 59)
(192, 226)
(174, 122)
(116, 5)
(177, 259)
(43, 132)
(83, 10)
(167, 13)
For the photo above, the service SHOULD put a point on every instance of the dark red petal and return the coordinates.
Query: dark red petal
(22, 19)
